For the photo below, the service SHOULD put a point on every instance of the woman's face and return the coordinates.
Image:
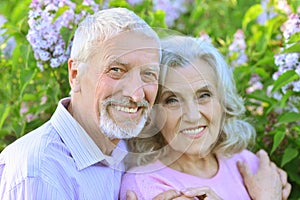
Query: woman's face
(191, 106)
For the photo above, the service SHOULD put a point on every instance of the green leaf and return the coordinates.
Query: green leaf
(294, 38)
(284, 79)
(277, 140)
(288, 118)
(261, 96)
(25, 78)
(285, 98)
(288, 155)
(293, 49)
(4, 113)
(251, 14)
(67, 35)
(59, 12)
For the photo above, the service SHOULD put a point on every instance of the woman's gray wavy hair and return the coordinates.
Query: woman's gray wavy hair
(236, 133)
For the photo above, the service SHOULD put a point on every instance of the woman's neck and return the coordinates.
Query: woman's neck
(204, 167)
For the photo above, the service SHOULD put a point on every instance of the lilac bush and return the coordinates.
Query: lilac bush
(46, 25)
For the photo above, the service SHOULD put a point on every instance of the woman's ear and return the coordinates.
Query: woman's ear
(73, 75)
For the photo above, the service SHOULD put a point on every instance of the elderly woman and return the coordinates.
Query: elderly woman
(201, 137)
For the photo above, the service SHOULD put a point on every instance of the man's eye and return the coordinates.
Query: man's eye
(149, 76)
(116, 72)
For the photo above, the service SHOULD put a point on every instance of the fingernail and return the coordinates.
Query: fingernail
(187, 192)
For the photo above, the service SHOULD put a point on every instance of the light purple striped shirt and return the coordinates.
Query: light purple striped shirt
(59, 161)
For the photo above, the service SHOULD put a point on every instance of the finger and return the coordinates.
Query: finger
(201, 193)
(286, 191)
(244, 169)
(263, 157)
(130, 195)
(283, 176)
(184, 198)
(168, 195)
(192, 192)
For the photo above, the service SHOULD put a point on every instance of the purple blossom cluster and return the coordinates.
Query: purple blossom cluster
(44, 34)
(135, 2)
(172, 8)
(254, 84)
(205, 37)
(269, 11)
(237, 49)
(289, 61)
(7, 44)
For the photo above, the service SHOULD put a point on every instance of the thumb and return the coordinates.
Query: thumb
(130, 195)
(244, 169)
(263, 158)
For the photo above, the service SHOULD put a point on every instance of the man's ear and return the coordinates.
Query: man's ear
(73, 75)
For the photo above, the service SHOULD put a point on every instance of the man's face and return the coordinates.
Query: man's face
(120, 84)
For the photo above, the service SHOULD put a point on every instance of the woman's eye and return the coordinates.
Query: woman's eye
(171, 101)
(204, 96)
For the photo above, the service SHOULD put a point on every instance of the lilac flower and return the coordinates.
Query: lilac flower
(44, 33)
(204, 36)
(134, 2)
(238, 49)
(24, 111)
(288, 61)
(172, 8)
(267, 12)
(283, 5)
(254, 83)
(291, 26)
(7, 44)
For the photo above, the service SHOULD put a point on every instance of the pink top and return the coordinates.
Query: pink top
(152, 179)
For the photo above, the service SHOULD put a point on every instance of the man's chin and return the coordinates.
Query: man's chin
(123, 131)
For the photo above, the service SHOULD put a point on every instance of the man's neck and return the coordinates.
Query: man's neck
(105, 144)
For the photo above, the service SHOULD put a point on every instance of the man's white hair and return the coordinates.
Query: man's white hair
(104, 25)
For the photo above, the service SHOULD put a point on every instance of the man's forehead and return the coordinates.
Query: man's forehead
(131, 40)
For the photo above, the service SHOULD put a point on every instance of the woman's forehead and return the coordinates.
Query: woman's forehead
(198, 72)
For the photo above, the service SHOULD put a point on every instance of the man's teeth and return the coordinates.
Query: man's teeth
(126, 109)
(193, 131)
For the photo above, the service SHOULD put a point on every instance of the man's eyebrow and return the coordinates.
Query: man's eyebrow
(116, 61)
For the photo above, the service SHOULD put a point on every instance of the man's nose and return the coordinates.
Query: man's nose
(134, 86)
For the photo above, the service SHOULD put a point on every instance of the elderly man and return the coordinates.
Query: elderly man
(113, 74)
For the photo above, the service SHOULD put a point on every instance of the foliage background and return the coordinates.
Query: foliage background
(29, 95)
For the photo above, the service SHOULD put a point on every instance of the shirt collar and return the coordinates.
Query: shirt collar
(83, 149)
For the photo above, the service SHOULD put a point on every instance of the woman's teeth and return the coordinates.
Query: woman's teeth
(193, 131)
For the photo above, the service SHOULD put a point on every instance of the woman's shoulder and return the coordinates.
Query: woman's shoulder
(245, 156)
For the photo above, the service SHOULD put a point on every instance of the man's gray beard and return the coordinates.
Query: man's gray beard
(113, 131)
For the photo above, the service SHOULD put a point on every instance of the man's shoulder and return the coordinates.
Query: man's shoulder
(28, 154)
